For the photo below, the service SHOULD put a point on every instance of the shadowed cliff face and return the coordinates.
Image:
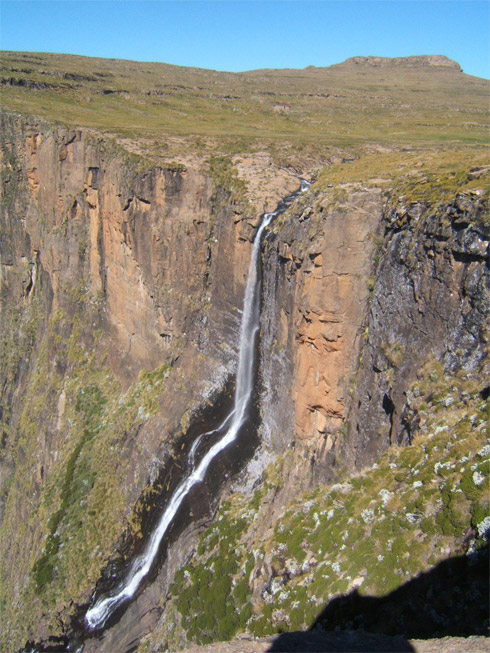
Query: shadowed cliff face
(430, 300)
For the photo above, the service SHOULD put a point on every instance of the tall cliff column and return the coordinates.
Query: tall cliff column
(316, 293)
(430, 302)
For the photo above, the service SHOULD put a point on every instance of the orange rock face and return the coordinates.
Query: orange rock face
(89, 219)
(331, 298)
(150, 245)
(325, 260)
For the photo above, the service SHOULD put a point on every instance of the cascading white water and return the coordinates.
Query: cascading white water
(98, 614)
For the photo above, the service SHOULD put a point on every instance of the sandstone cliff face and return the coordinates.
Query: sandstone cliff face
(79, 223)
(94, 219)
(110, 267)
(121, 291)
(315, 301)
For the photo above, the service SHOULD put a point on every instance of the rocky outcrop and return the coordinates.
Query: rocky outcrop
(87, 225)
(430, 299)
(315, 299)
(407, 62)
(92, 219)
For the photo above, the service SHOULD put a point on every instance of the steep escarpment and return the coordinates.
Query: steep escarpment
(121, 283)
(407, 535)
(430, 298)
(315, 300)
(107, 218)
(363, 286)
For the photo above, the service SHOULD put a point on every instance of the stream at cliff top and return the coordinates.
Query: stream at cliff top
(98, 614)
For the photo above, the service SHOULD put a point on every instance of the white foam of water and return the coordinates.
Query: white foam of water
(98, 614)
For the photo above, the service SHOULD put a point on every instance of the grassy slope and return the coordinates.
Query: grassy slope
(370, 534)
(347, 105)
(72, 522)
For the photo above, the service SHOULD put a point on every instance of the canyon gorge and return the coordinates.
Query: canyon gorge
(362, 467)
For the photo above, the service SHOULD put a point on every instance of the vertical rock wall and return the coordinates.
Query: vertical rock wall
(110, 266)
(316, 296)
(430, 301)
(361, 291)
(164, 262)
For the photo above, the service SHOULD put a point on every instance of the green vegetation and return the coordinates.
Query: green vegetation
(74, 501)
(372, 532)
(295, 114)
(222, 585)
(226, 179)
(423, 174)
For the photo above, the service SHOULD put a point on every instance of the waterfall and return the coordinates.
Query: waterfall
(98, 614)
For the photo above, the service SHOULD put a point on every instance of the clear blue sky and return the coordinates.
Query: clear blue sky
(250, 34)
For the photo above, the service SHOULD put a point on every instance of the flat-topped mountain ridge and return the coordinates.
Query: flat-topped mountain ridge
(423, 99)
(412, 61)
